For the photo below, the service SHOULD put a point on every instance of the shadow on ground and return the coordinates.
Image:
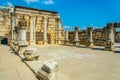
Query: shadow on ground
(117, 52)
(98, 49)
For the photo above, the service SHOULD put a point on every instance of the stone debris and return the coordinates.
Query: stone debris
(48, 70)
(31, 54)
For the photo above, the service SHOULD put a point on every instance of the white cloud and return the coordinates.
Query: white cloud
(29, 1)
(9, 4)
(47, 2)
(68, 27)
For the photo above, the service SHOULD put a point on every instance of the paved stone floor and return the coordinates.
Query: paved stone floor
(75, 63)
(11, 66)
(79, 63)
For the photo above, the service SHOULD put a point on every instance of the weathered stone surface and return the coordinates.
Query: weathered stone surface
(76, 40)
(109, 45)
(89, 41)
(31, 54)
(48, 71)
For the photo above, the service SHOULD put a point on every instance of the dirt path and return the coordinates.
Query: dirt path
(11, 66)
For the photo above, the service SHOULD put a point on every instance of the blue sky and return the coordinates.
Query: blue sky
(82, 13)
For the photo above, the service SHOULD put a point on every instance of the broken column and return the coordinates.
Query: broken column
(89, 42)
(45, 31)
(22, 43)
(48, 71)
(31, 54)
(109, 44)
(16, 39)
(76, 40)
(66, 37)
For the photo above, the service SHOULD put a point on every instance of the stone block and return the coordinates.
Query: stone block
(31, 54)
(109, 45)
(48, 71)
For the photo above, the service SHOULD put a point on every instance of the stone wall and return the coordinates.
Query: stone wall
(42, 25)
(99, 36)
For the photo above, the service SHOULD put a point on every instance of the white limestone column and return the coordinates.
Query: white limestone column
(56, 30)
(76, 40)
(90, 38)
(67, 37)
(76, 33)
(22, 34)
(59, 31)
(22, 43)
(45, 30)
(12, 27)
(32, 30)
(111, 37)
(111, 34)
(110, 44)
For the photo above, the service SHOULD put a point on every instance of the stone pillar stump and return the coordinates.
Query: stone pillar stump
(110, 44)
(76, 40)
(67, 38)
(89, 42)
(22, 43)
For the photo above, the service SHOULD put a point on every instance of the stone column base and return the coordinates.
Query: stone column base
(21, 50)
(89, 44)
(22, 45)
(32, 42)
(45, 42)
(76, 42)
(59, 41)
(110, 48)
(67, 42)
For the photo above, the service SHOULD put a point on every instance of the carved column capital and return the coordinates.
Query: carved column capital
(90, 28)
(110, 26)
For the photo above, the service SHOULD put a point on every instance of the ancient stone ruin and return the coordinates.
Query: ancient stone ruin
(23, 27)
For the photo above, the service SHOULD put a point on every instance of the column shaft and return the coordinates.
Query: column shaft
(76, 40)
(89, 42)
(22, 34)
(59, 32)
(110, 41)
(45, 31)
(67, 37)
(13, 25)
(32, 30)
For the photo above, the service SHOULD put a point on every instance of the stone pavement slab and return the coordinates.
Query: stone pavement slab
(11, 66)
(79, 63)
